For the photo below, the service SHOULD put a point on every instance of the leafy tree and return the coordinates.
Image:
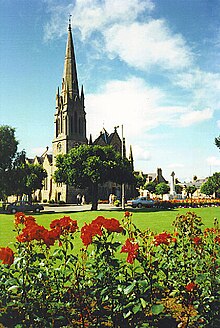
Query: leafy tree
(139, 180)
(162, 189)
(89, 166)
(190, 190)
(15, 175)
(8, 149)
(30, 179)
(151, 187)
(8, 146)
(217, 142)
(212, 185)
(178, 189)
(207, 188)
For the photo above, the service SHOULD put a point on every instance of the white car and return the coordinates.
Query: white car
(141, 202)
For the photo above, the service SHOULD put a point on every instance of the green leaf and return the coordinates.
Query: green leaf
(157, 308)
(13, 287)
(129, 289)
(137, 308)
(126, 315)
(143, 303)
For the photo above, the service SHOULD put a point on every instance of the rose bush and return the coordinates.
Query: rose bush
(121, 277)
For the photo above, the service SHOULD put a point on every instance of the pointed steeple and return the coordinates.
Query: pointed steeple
(70, 73)
(82, 92)
(90, 139)
(131, 160)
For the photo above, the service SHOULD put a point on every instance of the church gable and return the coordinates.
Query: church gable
(115, 141)
(106, 139)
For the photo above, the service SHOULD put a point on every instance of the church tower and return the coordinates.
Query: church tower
(70, 116)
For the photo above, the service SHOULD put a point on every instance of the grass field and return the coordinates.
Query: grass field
(156, 220)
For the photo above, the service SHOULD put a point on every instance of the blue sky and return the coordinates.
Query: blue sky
(151, 65)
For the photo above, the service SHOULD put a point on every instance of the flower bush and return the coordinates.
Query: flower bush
(187, 203)
(121, 277)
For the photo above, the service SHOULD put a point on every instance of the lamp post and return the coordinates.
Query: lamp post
(123, 185)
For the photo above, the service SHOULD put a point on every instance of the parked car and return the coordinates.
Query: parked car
(23, 206)
(141, 202)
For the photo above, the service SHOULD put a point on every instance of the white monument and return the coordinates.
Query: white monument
(172, 185)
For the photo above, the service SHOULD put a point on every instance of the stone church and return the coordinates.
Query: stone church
(69, 132)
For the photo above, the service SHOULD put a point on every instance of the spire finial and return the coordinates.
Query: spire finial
(70, 21)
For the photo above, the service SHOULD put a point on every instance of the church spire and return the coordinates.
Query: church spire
(70, 73)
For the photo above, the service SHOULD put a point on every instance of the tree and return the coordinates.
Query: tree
(190, 190)
(89, 166)
(178, 188)
(151, 187)
(212, 185)
(8, 149)
(15, 175)
(217, 142)
(139, 180)
(162, 189)
(32, 177)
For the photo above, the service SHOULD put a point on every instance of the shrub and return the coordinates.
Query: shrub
(149, 280)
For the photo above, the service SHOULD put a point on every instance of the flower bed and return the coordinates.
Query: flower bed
(148, 280)
(187, 203)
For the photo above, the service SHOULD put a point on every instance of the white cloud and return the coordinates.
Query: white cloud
(218, 123)
(175, 165)
(138, 107)
(204, 87)
(144, 45)
(131, 103)
(213, 161)
(92, 15)
(140, 153)
(195, 116)
(140, 44)
(128, 102)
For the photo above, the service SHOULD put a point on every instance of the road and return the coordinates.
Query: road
(77, 208)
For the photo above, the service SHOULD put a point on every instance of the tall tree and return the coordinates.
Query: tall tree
(31, 178)
(212, 185)
(89, 166)
(162, 189)
(190, 190)
(8, 149)
(151, 187)
(139, 180)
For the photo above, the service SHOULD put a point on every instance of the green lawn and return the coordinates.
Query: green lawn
(157, 221)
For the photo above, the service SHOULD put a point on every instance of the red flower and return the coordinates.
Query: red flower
(66, 224)
(50, 236)
(33, 231)
(99, 220)
(95, 228)
(131, 248)
(19, 218)
(88, 231)
(127, 214)
(197, 240)
(217, 239)
(162, 238)
(191, 287)
(112, 225)
(6, 255)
